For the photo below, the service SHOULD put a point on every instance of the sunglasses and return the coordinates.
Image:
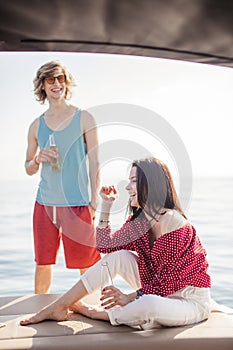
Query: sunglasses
(51, 80)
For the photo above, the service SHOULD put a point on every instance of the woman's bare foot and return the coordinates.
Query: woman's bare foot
(79, 307)
(91, 311)
(51, 312)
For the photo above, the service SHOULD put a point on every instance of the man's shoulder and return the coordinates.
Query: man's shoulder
(35, 123)
(87, 118)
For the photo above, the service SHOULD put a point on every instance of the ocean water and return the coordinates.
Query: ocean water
(210, 211)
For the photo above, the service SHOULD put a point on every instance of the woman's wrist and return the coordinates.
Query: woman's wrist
(104, 214)
(104, 219)
(132, 296)
(106, 207)
(139, 294)
(103, 223)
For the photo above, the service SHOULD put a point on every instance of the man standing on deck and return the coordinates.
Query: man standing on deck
(59, 141)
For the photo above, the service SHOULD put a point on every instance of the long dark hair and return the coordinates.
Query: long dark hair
(155, 188)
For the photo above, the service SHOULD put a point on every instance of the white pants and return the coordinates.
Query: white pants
(187, 306)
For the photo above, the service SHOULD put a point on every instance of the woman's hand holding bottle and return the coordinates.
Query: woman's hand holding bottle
(112, 296)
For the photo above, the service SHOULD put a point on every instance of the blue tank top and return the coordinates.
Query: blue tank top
(68, 186)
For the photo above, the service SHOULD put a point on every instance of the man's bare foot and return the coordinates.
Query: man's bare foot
(91, 311)
(51, 312)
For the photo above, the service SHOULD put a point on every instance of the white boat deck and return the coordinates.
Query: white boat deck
(83, 333)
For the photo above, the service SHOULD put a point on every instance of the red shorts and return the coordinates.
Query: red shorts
(74, 225)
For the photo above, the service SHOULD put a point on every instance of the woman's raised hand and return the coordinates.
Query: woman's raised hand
(108, 193)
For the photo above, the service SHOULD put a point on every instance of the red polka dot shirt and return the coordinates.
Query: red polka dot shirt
(176, 260)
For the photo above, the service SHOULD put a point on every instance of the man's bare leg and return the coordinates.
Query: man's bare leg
(58, 310)
(82, 271)
(43, 278)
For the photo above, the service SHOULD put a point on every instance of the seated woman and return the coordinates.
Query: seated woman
(157, 251)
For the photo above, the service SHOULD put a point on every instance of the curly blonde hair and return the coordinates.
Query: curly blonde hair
(47, 70)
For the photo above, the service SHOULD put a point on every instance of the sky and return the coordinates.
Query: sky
(141, 96)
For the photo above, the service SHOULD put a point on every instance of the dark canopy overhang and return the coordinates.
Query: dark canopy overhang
(191, 30)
